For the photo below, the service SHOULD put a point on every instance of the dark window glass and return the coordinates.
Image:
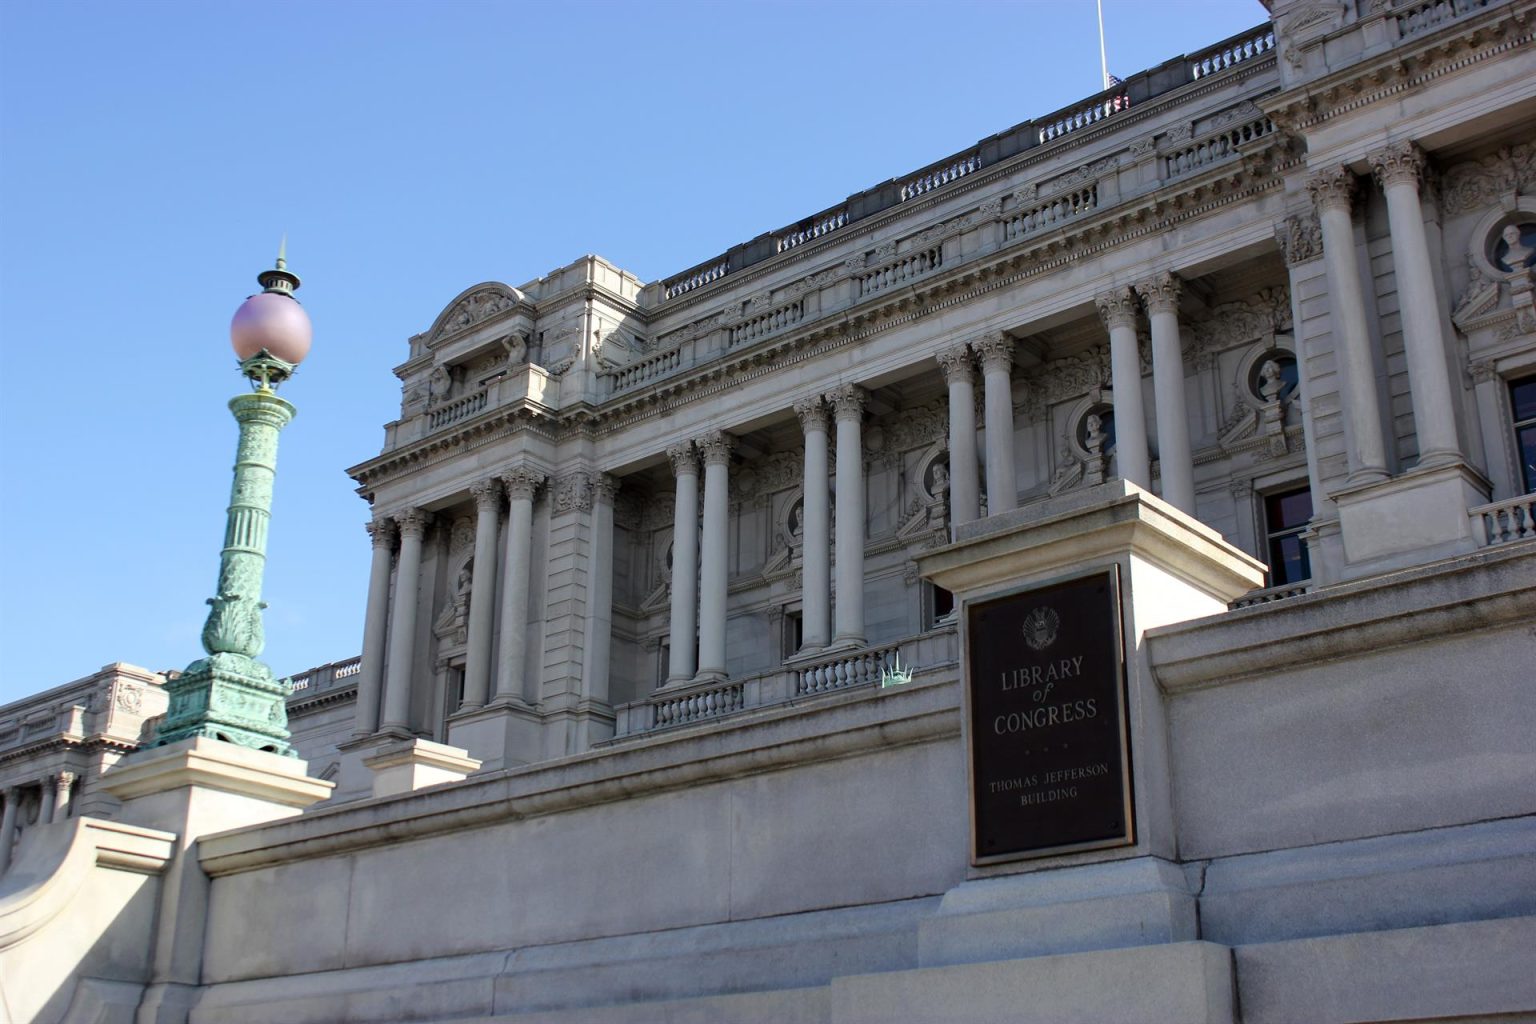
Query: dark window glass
(1522, 402)
(1285, 517)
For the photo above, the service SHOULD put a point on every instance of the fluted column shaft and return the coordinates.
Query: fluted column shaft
(716, 449)
(685, 562)
(1161, 295)
(1118, 311)
(964, 479)
(482, 592)
(815, 530)
(370, 673)
(8, 826)
(1332, 194)
(1399, 169)
(599, 627)
(996, 354)
(520, 485)
(402, 623)
(848, 407)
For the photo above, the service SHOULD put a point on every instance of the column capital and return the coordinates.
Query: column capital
(487, 493)
(684, 460)
(847, 402)
(65, 779)
(413, 522)
(382, 531)
(995, 350)
(1334, 188)
(522, 483)
(1402, 163)
(812, 413)
(1161, 293)
(956, 363)
(1117, 308)
(715, 447)
(605, 486)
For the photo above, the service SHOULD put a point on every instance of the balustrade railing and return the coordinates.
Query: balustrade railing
(1268, 595)
(1231, 52)
(1216, 148)
(698, 277)
(1504, 522)
(643, 371)
(773, 320)
(822, 224)
(855, 668)
(1106, 104)
(458, 409)
(323, 677)
(1420, 18)
(1051, 212)
(931, 178)
(698, 705)
(909, 267)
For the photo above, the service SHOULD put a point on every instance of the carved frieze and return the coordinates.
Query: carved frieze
(1300, 239)
(1478, 183)
(474, 309)
(1236, 323)
(572, 493)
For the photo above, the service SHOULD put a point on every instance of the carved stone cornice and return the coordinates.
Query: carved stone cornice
(995, 350)
(812, 413)
(487, 493)
(715, 447)
(1161, 293)
(522, 483)
(1300, 239)
(382, 532)
(413, 522)
(1333, 188)
(1400, 164)
(956, 363)
(683, 459)
(1117, 308)
(848, 402)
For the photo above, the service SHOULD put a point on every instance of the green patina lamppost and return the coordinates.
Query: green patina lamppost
(230, 695)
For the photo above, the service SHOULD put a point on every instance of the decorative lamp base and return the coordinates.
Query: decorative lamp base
(228, 697)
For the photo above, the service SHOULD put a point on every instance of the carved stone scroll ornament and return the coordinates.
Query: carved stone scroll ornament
(956, 363)
(1300, 238)
(715, 447)
(1117, 308)
(995, 351)
(521, 483)
(1333, 188)
(683, 459)
(848, 401)
(572, 493)
(1398, 164)
(1161, 293)
(1476, 184)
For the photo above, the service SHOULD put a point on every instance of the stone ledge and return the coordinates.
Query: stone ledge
(211, 764)
(1490, 589)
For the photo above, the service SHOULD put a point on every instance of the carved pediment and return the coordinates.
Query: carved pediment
(472, 308)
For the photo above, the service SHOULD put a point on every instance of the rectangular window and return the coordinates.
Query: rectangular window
(1285, 518)
(1522, 407)
(939, 602)
(794, 634)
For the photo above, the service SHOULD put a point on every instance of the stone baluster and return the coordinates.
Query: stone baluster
(716, 449)
(482, 594)
(599, 625)
(1161, 296)
(370, 674)
(63, 785)
(1333, 194)
(50, 793)
(520, 485)
(996, 354)
(848, 409)
(964, 481)
(8, 826)
(815, 529)
(402, 626)
(1118, 311)
(685, 562)
(1400, 169)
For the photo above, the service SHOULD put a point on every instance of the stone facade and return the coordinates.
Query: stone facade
(1249, 327)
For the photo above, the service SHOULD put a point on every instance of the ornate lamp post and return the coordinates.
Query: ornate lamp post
(230, 695)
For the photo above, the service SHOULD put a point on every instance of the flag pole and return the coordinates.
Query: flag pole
(1103, 58)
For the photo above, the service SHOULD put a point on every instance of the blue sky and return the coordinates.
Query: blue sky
(151, 154)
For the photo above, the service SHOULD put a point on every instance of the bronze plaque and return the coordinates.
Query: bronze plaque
(1049, 753)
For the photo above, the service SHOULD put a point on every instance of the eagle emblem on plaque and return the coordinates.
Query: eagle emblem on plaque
(1040, 628)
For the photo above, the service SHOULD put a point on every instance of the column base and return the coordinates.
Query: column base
(506, 733)
(403, 766)
(1417, 517)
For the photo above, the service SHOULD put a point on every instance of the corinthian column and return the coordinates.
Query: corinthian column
(964, 483)
(816, 529)
(520, 485)
(996, 354)
(8, 826)
(1118, 311)
(482, 591)
(63, 784)
(1332, 194)
(716, 448)
(370, 674)
(402, 626)
(848, 408)
(1161, 295)
(685, 562)
(599, 626)
(1399, 169)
